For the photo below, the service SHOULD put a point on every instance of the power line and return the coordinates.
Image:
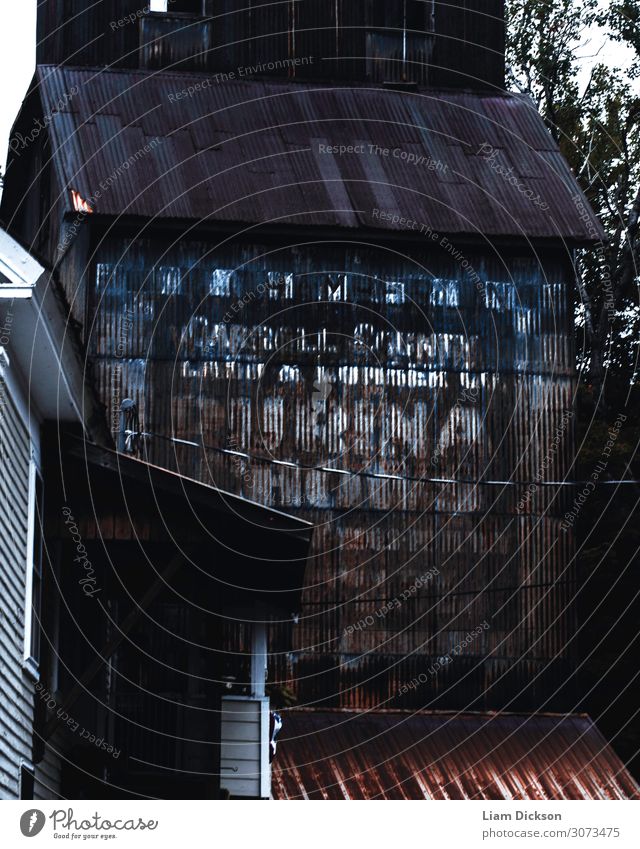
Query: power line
(372, 475)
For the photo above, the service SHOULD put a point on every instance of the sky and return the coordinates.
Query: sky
(17, 61)
(18, 43)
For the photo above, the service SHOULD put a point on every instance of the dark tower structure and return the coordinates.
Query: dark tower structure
(458, 43)
(330, 259)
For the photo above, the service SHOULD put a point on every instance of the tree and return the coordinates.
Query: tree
(597, 126)
(598, 131)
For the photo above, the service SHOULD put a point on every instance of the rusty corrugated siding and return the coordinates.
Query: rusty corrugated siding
(248, 151)
(367, 40)
(432, 372)
(441, 379)
(396, 755)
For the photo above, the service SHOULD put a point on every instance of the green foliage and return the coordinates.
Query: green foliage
(623, 19)
(542, 36)
(597, 125)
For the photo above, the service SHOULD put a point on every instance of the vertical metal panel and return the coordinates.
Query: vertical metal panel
(268, 173)
(76, 33)
(244, 754)
(175, 42)
(357, 358)
(469, 45)
(347, 40)
(392, 755)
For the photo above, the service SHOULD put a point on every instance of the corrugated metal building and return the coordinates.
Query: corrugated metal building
(407, 323)
(342, 288)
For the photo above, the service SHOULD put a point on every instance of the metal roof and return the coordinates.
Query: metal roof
(250, 151)
(324, 754)
(188, 490)
(256, 555)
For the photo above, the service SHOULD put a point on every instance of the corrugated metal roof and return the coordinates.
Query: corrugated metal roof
(401, 755)
(255, 152)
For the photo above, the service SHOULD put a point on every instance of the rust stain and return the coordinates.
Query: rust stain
(256, 151)
(396, 755)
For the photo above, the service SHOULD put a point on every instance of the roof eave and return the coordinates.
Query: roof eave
(166, 480)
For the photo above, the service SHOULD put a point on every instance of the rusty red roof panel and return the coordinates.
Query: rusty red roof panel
(253, 152)
(336, 754)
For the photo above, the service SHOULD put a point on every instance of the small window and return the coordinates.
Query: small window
(402, 15)
(27, 780)
(33, 600)
(399, 41)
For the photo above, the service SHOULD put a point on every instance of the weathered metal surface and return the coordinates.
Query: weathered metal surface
(395, 755)
(176, 42)
(417, 360)
(469, 45)
(442, 42)
(16, 705)
(372, 41)
(391, 366)
(180, 569)
(256, 152)
(77, 33)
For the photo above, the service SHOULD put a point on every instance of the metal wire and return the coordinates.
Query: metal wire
(376, 475)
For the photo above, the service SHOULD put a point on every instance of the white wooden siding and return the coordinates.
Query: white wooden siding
(16, 704)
